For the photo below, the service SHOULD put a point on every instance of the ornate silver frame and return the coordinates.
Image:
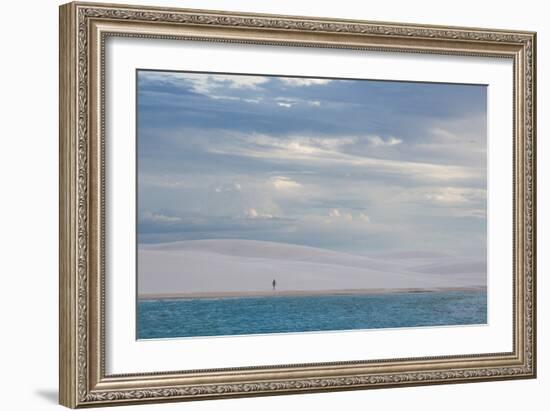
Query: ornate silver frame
(83, 30)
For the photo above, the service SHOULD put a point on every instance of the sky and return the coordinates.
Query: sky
(360, 166)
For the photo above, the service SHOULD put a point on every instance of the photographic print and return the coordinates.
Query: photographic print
(272, 204)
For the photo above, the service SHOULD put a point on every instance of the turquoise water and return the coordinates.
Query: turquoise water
(260, 315)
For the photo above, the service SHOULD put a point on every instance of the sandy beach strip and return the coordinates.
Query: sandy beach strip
(303, 293)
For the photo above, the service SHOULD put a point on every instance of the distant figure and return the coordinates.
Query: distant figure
(274, 284)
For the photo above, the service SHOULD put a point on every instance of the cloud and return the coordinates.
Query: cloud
(456, 195)
(288, 102)
(183, 182)
(377, 141)
(207, 84)
(253, 214)
(285, 105)
(329, 152)
(478, 213)
(148, 216)
(364, 217)
(164, 181)
(300, 144)
(337, 215)
(334, 213)
(459, 140)
(235, 98)
(284, 183)
(238, 81)
(227, 188)
(304, 82)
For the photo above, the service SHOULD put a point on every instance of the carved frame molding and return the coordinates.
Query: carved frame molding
(84, 27)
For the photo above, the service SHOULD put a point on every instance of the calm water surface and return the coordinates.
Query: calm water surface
(260, 315)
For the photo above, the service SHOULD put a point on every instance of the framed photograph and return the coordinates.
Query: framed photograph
(259, 204)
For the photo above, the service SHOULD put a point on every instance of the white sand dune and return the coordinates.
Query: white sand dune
(209, 266)
(452, 267)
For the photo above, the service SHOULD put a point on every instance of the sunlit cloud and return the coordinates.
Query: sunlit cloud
(304, 82)
(377, 141)
(288, 102)
(318, 151)
(206, 84)
(228, 188)
(285, 104)
(337, 215)
(456, 195)
(254, 214)
(364, 217)
(284, 183)
(334, 213)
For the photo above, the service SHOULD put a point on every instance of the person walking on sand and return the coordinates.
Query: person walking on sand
(274, 284)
